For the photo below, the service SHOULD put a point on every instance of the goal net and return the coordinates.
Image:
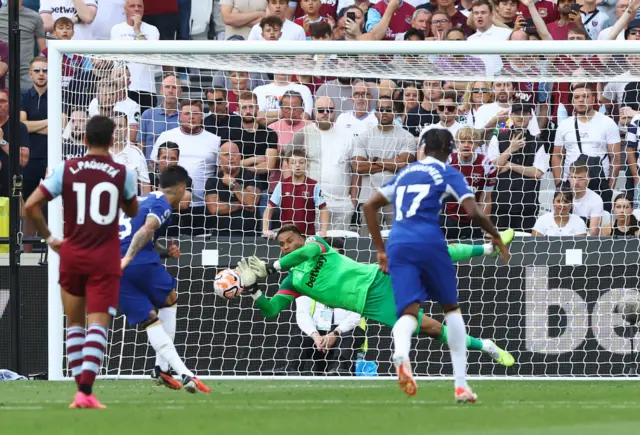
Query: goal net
(275, 133)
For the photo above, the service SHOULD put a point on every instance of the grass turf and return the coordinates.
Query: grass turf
(321, 407)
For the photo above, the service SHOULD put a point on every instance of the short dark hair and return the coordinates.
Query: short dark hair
(197, 103)
(439, 140)
(289, 228)
(213, 91)
(481, 3)
(63, 21)
(579, 165)
(292, 94)
(171, 176)
(297, 152)
(449, 95)
(320, 29)
(272, 21)
(414, 32)
(99, 131)
(169, 146)
(336, 243)
(580, 31)
(567, 195)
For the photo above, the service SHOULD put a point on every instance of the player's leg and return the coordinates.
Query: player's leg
(436, 330)
(461, 252)
(75, 310)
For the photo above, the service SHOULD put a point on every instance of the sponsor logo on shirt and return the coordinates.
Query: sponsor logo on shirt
(63, 10)
(316, 271)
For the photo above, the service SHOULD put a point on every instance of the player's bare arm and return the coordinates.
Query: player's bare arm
(143, 236)
(33, 209)
(370, 208)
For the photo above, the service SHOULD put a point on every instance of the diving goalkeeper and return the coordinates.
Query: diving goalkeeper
(316, 270)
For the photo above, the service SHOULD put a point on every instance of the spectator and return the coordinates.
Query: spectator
(560, 222)
(411, 97)
(592, 136)
(586, 203)
(487, 31)
(85, 82)
(327, 8)
(4, 63)
(110, 13)
(235, 82)
(271, 28)
(477, 94)
(351, 26)
(169, 155)
(421, 20)
(320, 31)
(481, 176)
(339, 90)
(447, 112)
(506, 12)
(328, 150)
(331, 338)
(240, 16)
(218, 121)
(440, 25)
(312, 14)
(23, 135)
(414, 35)
(33, 113)
(31, 32)
(399, 22)
(546, 9)
(460, 64)
(568, 19)
(143, 84)
(631, 139)
(593, 20)
(425, 113)
(156, 120)
(258, 144)
(232, 197)
(521, 162)
(198, 148)
(379, 153)
(620, 11)
(456, 18)
(297, 197)
(361, 117)
(624, 223)
(290, 30)
(73, 138)
(129, 155)
(81, 12)
(269, 97)
(163, 14)
(112, 97)
(63, 30)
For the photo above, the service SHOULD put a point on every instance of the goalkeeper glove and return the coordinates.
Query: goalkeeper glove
(248, 277)
(262, 269)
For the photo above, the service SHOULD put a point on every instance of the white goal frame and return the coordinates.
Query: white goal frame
(56, 50)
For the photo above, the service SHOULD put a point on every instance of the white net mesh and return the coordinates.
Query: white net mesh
(357, 120)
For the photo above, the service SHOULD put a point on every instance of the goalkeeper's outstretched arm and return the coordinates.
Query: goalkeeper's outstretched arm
(271, 307)
(268, 307)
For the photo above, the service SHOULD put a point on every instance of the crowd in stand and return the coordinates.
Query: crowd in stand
(264, 150)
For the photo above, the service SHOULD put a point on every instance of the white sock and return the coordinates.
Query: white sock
(164, 347)
(488, 249)
(402, 332)
(168, 317)
(457, 338)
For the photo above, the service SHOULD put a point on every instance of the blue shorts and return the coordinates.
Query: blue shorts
(144, 288)
(420, 273)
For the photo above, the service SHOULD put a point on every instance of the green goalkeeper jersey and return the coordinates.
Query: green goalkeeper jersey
(319, 272)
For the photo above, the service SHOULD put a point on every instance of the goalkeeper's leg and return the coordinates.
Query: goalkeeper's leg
(436, 330)
(461, 252)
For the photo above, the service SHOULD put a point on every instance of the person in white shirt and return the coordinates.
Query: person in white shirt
(593, 19)
(143, 77)
(290, 30)
(361, 117)
(328, 150)
(586, 203)
(621, 7)
(110, 13)
(269, 98)
(448, 112)
(560, 221)
(81, 12)
(198, 148)
(594, 136)
(482, 13)
(129, 155)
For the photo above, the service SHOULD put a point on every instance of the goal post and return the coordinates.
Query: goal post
(509, 294)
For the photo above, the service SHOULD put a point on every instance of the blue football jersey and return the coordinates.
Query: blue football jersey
(418, 193)
(155, 205)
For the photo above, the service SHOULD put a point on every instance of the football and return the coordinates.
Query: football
(629, 307)
(228, 284)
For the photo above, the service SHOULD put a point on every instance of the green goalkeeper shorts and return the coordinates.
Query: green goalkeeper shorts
(380, 304)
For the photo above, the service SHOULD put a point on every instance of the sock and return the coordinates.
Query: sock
(92, 354)
(163, 345)
(75, 342)
(472, 342)
(457, 346)
(168, 317)
(402, 332)
(459, 252)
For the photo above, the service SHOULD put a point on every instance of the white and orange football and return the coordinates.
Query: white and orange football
(228, 284)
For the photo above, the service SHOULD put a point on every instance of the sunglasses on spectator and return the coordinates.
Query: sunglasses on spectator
(447, 108)
(39, 70)
(634, 32)
(384, 109)
(324, 109)
(476, 90)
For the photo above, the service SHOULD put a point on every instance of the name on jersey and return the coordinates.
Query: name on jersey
(315, 271)
(98, 166)
(432, 171)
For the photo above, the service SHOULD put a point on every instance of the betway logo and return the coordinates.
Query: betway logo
(541, 302)
(63, 10)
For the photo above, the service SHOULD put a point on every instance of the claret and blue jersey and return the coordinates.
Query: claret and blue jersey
(419, 262)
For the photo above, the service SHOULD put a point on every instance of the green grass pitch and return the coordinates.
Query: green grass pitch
(324, 407)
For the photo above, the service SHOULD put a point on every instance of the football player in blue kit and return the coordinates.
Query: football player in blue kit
(147, 291)
(416, 254)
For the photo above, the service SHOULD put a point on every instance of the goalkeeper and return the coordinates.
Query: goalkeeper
(319, 272)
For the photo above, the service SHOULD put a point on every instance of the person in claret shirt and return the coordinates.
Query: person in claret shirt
(457, 18)
(326, 8)
(481, 176)
(400, 21)
(568, 19)
(63, 29)
(164, 15)
(545, 8)
(311, 15)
